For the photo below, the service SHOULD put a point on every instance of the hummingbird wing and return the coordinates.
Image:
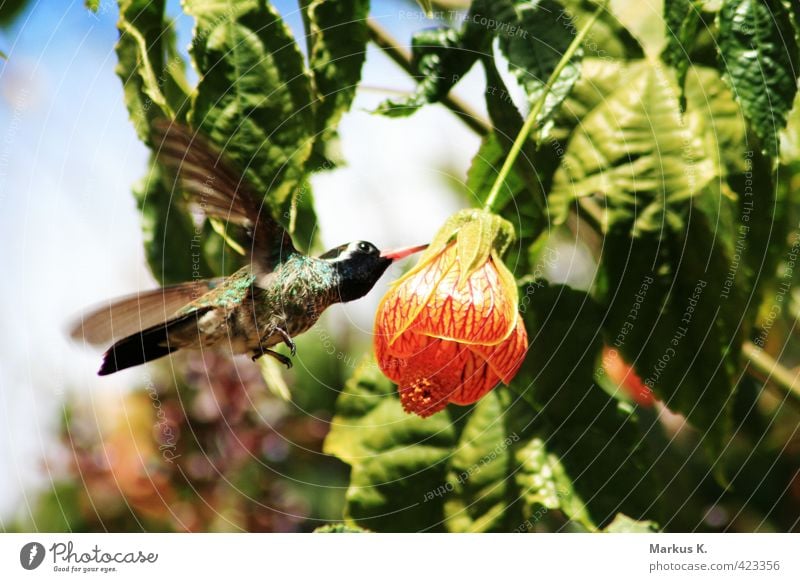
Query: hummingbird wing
(219, 190)
(128, 315)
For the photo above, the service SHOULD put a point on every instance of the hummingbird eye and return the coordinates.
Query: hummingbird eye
(365, 247)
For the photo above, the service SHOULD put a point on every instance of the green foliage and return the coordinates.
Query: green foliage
(254, 95)
(10, 10)
(395, 458)
(693, 225)
(632, 145)
(255, 100)
(337, 36)
(534, 36)
(759, 55)
(608, 38)
(624, 524)
(173, 251)
(545, 485)
(441, 56)
(656, 170)
(682, 19)
(412, 474)
(154, 85)
(596, 438)
(151, 71)
(339, 528)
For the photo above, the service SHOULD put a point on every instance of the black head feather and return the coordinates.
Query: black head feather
(358, 266)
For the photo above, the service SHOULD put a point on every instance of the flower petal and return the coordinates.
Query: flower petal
(477, 378)
(452, 372)
(401, 305)
(389, 364)
(478, 311)
(506, 358)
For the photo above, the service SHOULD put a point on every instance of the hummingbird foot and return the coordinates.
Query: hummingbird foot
(287, 339)
(280, 357)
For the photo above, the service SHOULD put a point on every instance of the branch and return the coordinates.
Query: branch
(389, 45)
(767, 369)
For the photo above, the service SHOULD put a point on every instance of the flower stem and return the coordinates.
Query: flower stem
(530, 121)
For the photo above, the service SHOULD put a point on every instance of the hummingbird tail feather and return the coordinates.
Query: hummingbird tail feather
(147, 345)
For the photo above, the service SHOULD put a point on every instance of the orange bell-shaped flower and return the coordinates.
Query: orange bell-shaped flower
(449, 330)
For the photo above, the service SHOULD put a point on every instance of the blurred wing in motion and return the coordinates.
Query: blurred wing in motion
(220, 191)
(129, 315)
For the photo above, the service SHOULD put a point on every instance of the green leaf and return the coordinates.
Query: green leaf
(713, 114)
(595, 439)
(533, 36)
(466, 469)
(624, 524)
(441, 56)
(544, 483)
(149, 66)
(608, 39)
(633, 148)
(759, 55)
(339, 528)
(172, 242)
(302, 218)
(92, 5)
(682, 21)
(3, 56)
(478, 490)
(398, 461)
(10, 10)
(337, 37)
(253, 98)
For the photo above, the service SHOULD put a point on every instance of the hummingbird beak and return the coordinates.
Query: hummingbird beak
(397, 254)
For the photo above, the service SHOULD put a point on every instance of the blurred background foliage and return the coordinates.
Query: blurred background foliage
(654, 148)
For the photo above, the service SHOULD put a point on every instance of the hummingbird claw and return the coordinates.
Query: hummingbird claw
(287, 339)
(280, 357)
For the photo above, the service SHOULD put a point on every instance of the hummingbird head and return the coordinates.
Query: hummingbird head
(360, 264)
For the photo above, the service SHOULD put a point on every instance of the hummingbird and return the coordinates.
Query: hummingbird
(280, 294)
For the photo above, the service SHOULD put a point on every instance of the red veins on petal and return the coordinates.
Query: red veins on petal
(477, 311)
(506, 358)
(445, 340)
